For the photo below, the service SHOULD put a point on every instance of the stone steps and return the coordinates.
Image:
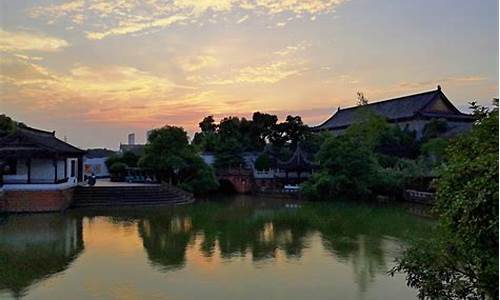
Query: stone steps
(130, 196)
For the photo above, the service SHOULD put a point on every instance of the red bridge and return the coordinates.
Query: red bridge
(240, 179)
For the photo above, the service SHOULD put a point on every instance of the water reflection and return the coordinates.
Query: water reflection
(34, 247)
(348, 243)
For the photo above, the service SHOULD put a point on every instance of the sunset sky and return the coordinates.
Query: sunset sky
(95, 70)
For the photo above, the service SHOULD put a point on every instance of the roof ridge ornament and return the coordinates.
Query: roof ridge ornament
(438, 87)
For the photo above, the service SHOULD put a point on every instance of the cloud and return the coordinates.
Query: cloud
(59, 10)
(298, 6)
(267, 73)
(198, 7)
(107, 83)
(21, 71)
(195, 63)
(133, 27)
(26, 41)
(467, 79)
(26, 57)
(243, 19)
(292, 49)
(105, 18)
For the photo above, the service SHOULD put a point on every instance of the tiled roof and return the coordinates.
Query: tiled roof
(36, 140)
(392, 109)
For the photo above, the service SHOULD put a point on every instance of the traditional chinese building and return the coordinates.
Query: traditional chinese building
(412, 112)
(297, 169)
(39, 171)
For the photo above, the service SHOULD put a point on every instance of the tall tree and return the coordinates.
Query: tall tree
(208, 124)
(261, 129)
(230, 147)
(206, 140)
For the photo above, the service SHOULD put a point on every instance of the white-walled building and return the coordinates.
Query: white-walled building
(94, 162)
(38, 170)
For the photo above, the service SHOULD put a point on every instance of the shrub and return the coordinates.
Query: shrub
(118, 168)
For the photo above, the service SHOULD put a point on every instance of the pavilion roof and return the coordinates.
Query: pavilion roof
(405, 107)
(298, 162)
(29, 142)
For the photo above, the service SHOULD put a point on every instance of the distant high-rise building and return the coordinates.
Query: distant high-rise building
(131, 139)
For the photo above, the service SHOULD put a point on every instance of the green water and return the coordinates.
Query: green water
(241, 247)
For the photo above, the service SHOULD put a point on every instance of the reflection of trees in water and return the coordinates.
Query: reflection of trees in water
(165, 240)
(35, 247)
(365, 253)
(360, 236)
(355, 235)
(235, 231)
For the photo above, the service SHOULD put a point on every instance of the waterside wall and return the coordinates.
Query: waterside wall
(35, 200)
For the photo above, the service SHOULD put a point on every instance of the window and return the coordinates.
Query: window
(10, 168)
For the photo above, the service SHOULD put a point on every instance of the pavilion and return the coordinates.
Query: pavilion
(35, 163)
(298, 165)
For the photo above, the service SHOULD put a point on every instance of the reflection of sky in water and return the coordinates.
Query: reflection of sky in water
(214, 252)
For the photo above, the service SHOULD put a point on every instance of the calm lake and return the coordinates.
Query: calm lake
(238, 247)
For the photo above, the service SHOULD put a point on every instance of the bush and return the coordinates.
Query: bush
(118, 168)
(435, 149)
(348, 169)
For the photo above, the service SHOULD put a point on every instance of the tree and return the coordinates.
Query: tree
(435, 128)
(362, 100)
(128, 158)
(7, 125)
(233, 136)
(208, 124)
(206, 140)
(348, 170)
(261, 129)
(348, 165)
(118, 169)
(230, 147)
(289, 133)
(461, 262)
(169, 154)
(368, 160)
(398, 142)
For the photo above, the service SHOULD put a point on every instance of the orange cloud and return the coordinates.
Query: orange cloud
(264, 73)
(104, 18)
(24, 41)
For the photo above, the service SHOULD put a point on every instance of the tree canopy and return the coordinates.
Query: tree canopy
(461, 262)
(233, 136)
(370, 158)
(7, 125)
(170, 155)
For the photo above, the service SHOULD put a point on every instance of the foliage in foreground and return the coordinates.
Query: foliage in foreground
(462, 261)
